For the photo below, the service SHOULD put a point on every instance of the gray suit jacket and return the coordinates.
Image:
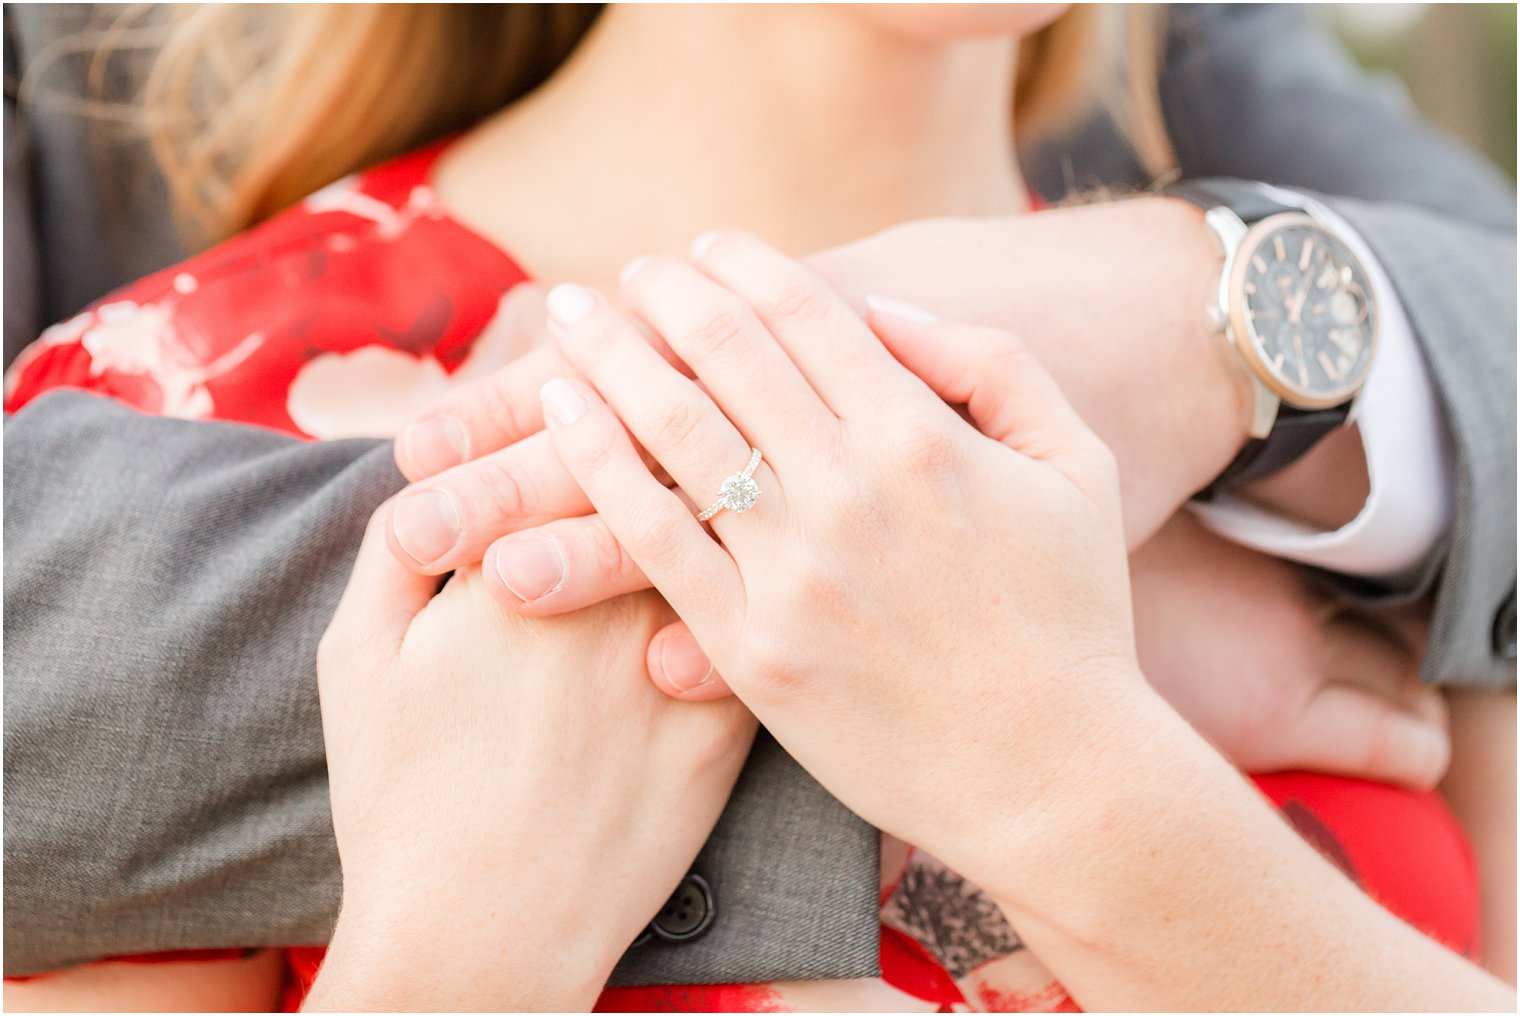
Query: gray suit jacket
(165, 785)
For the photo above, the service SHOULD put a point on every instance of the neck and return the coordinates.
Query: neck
(805, 125)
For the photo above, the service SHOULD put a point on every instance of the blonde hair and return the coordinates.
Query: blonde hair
(249, 108)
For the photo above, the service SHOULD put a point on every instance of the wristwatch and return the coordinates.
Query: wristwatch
(1295, 305)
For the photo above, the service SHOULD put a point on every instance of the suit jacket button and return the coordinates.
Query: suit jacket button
(1504, 629)
(688, 913)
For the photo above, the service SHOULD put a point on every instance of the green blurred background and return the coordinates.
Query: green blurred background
(1457, 61)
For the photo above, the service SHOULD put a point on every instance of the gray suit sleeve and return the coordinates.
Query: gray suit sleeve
(1263, 93)
(166, 584)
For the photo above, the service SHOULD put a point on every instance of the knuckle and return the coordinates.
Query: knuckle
(819, 589)
(509, 414)
(774, 663)
(676, 422)
(595, 455)
(606, 554)
(926, 447)
(504, 489)
(796, 300)
(721, 328)
(657, 536)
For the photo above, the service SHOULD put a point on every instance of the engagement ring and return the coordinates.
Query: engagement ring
(738, 493)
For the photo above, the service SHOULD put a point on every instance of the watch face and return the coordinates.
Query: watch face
(1306, 310)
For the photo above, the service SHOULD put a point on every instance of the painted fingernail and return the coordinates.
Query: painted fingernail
(562, 401)
(686, 666)
(704, 243)
(902, 309)
(426, 524)
(435, 444)
(531, 566)
(568, 303)
(633, 268)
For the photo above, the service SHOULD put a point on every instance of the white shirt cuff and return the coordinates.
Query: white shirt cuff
(1409, 459)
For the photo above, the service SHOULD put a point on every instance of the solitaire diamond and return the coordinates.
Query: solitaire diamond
(738, 493)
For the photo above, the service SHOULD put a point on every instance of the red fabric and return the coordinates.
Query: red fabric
(374, 265)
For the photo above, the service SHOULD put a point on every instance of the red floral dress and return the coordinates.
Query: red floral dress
(345, 314)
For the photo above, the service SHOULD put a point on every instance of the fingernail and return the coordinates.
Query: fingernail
(531, 566)
(902, 309)
(435, 444)
(685, 665)
(568, 303)
(426, 525)
(562, 401)
(632, 268)
(704, 243)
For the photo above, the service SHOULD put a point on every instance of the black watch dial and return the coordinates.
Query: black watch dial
(1307, 311)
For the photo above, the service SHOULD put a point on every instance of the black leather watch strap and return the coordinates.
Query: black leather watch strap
(1293, 434)
(1245, 199)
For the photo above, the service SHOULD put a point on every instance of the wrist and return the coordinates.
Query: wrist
(1095, 821)
(1183, 396)
(434, 957)
(1215, 395)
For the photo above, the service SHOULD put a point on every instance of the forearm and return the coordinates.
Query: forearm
(1163, 881)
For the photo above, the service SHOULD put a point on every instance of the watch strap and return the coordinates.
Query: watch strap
(1246, 199)
(1293, 434)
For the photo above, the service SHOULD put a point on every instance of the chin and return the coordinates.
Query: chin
(947, 22)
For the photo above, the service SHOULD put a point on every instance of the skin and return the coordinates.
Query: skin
(1322, 689)
(243, 985)
(732, 152)
(590, 794)
(1108, 295)
(1081, 802)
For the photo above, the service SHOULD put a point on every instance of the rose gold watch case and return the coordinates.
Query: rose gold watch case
(1243, 335)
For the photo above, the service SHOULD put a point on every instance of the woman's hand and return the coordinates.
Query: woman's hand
(931, 620)
(1253, 653)
(1245, 646)
(513, 800)
(936, 624)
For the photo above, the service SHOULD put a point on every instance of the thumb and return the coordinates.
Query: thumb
(1373, 718)
(680, 668)
(1007, 392)
(1351, 731)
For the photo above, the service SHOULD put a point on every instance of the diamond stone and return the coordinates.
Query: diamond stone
(739, 493)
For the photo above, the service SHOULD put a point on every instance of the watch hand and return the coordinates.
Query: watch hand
(1295, 313)
(1303, 365)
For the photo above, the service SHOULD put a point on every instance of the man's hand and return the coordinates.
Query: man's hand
(1111, 297)
(1266, 666)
